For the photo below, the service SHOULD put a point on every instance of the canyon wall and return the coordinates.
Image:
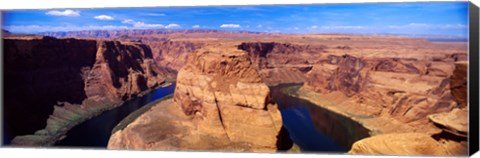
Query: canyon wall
(41, 72)
(278, 62)
(282, 62)
(219, 95)
(169, 55)
(405, 89)
(273, 54)
(406, 103)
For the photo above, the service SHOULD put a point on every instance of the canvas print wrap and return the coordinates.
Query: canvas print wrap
(370, 78)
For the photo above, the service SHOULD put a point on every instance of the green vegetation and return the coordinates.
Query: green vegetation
(291, 90)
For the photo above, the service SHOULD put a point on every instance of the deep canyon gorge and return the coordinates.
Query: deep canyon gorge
(380, 94)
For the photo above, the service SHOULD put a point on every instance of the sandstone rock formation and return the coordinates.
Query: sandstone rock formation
(40, 72)
(451, 140)
(277, 76)
(219, 103)
(391, 96)
(458, 83)
(271, 54)
(401, 88)
(453, 122)
(282, 62)
(412, 144)
(171, 55)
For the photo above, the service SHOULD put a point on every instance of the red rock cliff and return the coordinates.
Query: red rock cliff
(170, 56)
(273, 54)
(41, 71)
(406, 89)
(220, 103)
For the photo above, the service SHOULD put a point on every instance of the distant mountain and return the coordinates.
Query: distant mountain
(151, 32)
(431, 38)
(5, 32)
(441, 38)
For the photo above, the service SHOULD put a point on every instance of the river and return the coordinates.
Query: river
(95, 132)
(311, 127)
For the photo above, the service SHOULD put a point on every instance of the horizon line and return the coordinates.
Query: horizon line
(254, 32)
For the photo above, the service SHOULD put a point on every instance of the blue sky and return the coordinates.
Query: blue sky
(433, 18)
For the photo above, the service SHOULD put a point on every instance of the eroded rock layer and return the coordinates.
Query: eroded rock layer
(395, 96)
(282, 62)
(412, 144)
(458, 83)
(170, 56)
(404, 89)
(271, 54)
(220, 103)
(40, 72)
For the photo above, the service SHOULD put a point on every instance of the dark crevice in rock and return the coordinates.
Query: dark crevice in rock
(284, 142)
(448, 136)
(221, 118)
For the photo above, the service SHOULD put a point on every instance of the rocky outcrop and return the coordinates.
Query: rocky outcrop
(40, 72)
(458, 83)
(170, 56)
(451, 140)
(407, 94)
(281, 63)
(453, 121)
(405, 89)
(342, 74)
(273, 54)
(277, 76)
(220, 103)
(412, 144)
(223, 78)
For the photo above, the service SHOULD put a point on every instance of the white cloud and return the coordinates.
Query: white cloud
(295, 28)
(154, 14)
(428, 26)
(339, 27)
(103, 17)
(170, 26)
(46, 28)
(196, 26)
(67, 12)
(230, 26)
(139, 24)
(259, 26)
(128, 21)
